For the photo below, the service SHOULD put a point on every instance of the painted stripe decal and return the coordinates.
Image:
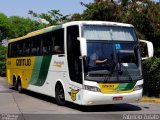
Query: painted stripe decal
(40, 70)
(116, 88)
(36, 70)
(44, 70)
(126, 86)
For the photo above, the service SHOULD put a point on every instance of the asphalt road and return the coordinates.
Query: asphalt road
(33, 106)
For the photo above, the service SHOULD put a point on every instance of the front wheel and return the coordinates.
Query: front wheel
(60, 97)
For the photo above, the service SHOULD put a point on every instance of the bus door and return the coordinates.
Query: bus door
(74, 65)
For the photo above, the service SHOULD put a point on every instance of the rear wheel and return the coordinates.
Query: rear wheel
(14, 83)
(60, 97)
(19, 86)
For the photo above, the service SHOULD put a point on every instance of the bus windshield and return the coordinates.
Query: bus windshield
(112, 60)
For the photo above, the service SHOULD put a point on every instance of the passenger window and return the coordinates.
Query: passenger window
(27, 47)
(10, 51)
(17, 49)
(20, 49)
(58, 38)
(47, 43)
(35, 49)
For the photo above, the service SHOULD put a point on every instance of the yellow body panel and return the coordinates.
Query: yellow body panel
(112, 88)
(22, 67)
(108, 88)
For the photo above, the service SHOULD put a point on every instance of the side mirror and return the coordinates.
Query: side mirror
(83, 46)
(146, 49)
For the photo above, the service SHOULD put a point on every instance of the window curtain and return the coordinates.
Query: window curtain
(95, 32)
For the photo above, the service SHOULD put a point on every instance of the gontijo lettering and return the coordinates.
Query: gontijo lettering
(108, 86)
(23, 62)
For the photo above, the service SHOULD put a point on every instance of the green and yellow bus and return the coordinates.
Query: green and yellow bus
(60, 61)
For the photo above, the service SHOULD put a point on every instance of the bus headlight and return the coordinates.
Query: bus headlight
(91, 88)
(138, 87)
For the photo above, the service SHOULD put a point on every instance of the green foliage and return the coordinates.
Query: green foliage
(144, 17)
(17, 26)
(14, 27)
(4, 26)
(54, 17)
(103, 11)
(76, 17)
(21, 26)
(3, 52)
(151, 72)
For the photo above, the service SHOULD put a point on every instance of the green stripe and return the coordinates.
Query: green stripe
(44, 70)
(36, 70)
(40, 70)
(126, 86)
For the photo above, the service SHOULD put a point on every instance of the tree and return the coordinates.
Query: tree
(4, 27)
(14, 27)
(3, 52)
(151, 69)
(54, 17)
(104, 11)
(76, 17)
(145, 16)
(21, 26)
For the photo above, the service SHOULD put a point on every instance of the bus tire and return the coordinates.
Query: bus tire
(59, 94)
(14, 83)
(19, 86)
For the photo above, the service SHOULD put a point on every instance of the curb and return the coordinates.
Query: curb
(151, 100)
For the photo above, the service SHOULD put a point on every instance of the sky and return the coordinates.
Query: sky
(21, 7)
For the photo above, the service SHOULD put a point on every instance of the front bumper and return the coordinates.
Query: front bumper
(98, 98)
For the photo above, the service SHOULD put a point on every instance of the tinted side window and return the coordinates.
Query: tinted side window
(16, 49)
(35, 45)
(9, 50)
(47, 44)
(27, 47)
(20, 49)
(58, 37)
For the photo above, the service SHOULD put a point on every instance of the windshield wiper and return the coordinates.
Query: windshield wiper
(111, 65)
(130, 78)
(119, 66)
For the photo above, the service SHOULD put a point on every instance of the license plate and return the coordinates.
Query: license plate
(118, 98)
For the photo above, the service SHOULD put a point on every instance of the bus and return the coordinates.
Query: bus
(59, 61)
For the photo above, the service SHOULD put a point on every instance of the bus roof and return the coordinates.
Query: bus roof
(52, 28)
(98, 23)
